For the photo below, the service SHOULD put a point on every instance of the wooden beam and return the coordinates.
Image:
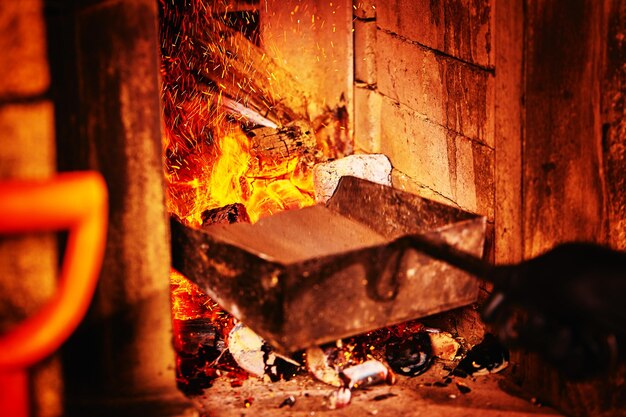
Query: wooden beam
(614, 122)
(562, 182)
(509, 129)
(560, 54)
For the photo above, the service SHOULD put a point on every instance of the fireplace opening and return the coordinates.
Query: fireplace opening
(488, 123)
(248, 136)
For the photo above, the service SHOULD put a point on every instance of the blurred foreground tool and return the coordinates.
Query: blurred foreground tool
(76, 202)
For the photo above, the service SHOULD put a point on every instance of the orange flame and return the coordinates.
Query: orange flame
(189, 302)
(227, 175)
(210, 162)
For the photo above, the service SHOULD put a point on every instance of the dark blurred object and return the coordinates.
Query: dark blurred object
(489, 356)
(289, 401)
(567, 304)
(410, 356)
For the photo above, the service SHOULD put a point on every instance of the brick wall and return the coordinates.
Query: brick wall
(424, 95)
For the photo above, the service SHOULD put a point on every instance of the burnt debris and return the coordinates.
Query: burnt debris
(489, 356)
(410, 356)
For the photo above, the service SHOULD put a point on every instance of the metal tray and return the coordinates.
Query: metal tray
(317, 274)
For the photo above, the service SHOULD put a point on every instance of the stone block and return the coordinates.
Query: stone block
(403, 182)
(415, 146)
(372, 167)
(365, 52)
(24, 70)
(28, 149)
(461, 29)
(475, 177)
(444, 90)
(367, 120)
(443, 165)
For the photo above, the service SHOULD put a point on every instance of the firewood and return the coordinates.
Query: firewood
(293, 139)
(231, 213)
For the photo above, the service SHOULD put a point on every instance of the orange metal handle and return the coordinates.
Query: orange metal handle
(76, 202)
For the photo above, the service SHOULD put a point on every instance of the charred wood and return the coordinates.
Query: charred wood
(231, 213)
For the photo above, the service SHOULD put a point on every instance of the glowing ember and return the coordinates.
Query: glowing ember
(189, 302)
(200, 330)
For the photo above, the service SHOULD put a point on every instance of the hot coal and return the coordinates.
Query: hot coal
(489, 356)
(254, 355)
(410, 356)
(277, 367)
(443, 343)
(195, 335)
(318, 364)
(197, 343)
(201, 355)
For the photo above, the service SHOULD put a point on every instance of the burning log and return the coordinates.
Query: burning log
(238, 127)
(282, 143)
(277, 150)
(231, 213)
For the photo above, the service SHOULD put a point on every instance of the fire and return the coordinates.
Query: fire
(224, 101)
(189, 302)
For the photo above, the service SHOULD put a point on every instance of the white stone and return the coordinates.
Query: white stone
(371, 167)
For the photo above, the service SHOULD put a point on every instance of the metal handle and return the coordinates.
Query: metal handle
(441, 250)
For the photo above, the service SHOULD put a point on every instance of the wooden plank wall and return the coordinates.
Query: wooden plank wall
(560, 153)
(614, 122)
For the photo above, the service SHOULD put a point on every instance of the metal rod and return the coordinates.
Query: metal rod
(439, 249)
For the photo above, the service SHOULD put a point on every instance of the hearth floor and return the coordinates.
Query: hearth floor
(408, 397)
